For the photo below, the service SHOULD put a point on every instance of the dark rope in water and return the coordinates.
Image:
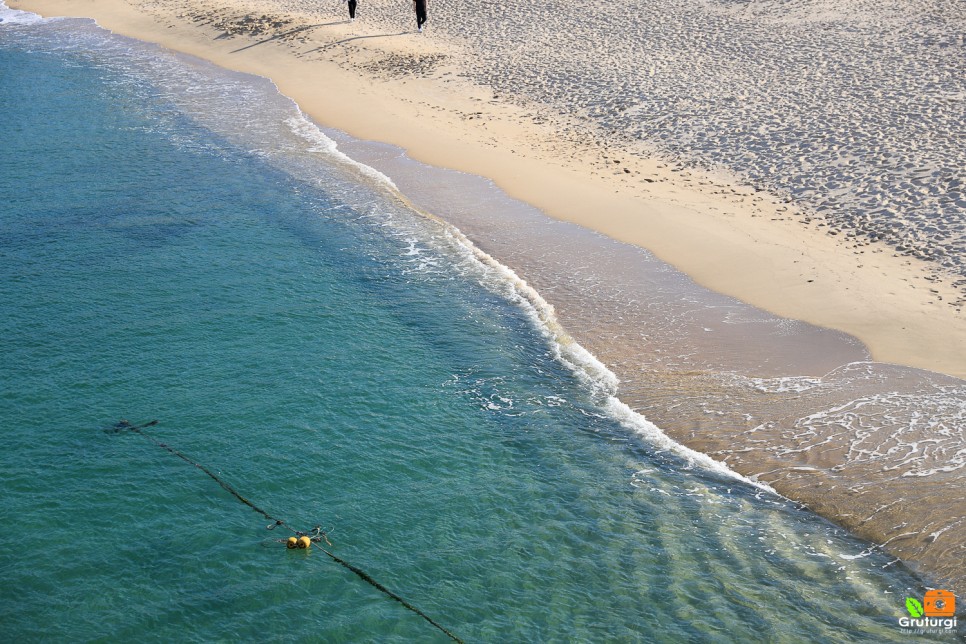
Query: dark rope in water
(125, 425)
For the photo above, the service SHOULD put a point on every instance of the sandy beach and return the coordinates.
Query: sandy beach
(376, 79)
(515, 98)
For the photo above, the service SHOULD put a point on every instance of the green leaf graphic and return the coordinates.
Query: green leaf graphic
(914, 607)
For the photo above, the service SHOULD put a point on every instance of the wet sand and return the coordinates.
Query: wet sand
(877, 448)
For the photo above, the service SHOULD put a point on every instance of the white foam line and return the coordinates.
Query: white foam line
(588, 369)
(305, 128)
(938, 533)
(10, 16)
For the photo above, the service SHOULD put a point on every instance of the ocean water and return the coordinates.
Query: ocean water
(178, 242)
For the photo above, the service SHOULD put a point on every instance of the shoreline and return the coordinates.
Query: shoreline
(731, 234)
(726, 237)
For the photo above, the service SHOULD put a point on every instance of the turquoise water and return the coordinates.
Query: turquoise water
(178, 243)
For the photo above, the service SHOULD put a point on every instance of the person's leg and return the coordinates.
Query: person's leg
(420, 14)
(352, 9)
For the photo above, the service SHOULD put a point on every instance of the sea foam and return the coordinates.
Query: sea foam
(16, 17)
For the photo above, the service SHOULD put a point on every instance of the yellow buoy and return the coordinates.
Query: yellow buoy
(304, 542)
(292, 543)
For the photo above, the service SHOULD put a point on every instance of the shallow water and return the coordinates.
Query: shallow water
(878, 448)
(179, 243)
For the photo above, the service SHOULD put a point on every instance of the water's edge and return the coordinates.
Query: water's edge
(690, 368)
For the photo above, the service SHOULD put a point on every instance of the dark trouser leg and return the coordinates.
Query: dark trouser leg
(352, 8)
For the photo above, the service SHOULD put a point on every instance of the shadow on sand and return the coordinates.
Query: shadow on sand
(345, 40)
(287, 33)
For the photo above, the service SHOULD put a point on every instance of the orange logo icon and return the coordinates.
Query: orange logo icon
(939, 603)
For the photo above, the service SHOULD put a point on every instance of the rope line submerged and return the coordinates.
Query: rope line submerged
(317, 533)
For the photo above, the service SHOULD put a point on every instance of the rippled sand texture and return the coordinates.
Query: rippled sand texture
(855, 108)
